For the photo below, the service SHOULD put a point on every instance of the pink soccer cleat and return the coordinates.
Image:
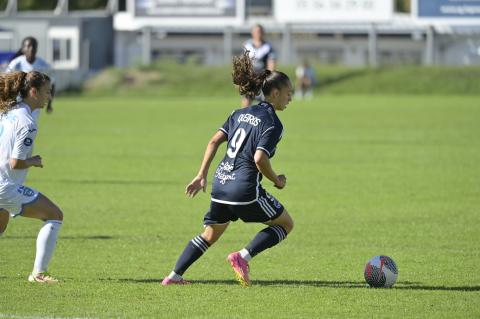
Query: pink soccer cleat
(168, 281)
(241, 268)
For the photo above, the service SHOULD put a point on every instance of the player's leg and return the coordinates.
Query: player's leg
(193, 251)
(284, 220)
(268, 237)
(4, 217)
(272, 213)
(44, 209)
(216, 221)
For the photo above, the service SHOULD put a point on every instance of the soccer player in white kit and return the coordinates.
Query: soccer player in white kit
(26, 60)
(263, 57)
(18, 130)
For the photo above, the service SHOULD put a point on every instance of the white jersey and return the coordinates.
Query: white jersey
(259, 55)
(17, 134)
(20, 63)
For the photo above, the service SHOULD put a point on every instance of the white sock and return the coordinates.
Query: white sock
(174, 276)
(245, 254)
(46, 242)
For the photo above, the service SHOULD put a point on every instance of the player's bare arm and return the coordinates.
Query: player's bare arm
(265, 167)
(35, 161)
(200, 181)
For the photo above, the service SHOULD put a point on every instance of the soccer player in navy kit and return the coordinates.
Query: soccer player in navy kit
(252, 135)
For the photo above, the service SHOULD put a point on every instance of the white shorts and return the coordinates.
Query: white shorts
(14, 197)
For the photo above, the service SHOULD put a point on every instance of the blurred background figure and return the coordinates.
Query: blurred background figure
(305, 81)
(262, 54)
(26, 60)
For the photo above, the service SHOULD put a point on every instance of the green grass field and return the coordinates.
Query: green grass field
(367, 175)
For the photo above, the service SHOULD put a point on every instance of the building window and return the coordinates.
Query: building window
(63, 48)
(259, 7)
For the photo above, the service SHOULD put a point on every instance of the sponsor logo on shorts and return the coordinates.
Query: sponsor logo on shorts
(25, 191)
(273, 200)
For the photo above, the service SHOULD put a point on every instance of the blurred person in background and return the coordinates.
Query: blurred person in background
(18, 130)
(26, 60)
(262, 54)
(252, 134)
(305, 81)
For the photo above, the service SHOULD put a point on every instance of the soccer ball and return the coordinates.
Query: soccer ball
(381, 271)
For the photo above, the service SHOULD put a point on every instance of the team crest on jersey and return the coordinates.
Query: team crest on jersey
(224, 172)
(28, 141)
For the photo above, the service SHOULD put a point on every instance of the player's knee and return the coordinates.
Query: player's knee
(56, 214)
(210, 237)
(212, 233)
(288, 226)
(286, 221)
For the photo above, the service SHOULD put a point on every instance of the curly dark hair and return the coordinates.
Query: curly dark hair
(250, 82)
(18, 84)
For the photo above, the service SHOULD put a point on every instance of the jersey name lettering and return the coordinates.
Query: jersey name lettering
(249, 118)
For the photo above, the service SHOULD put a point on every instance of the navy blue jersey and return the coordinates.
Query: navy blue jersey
(237, 180)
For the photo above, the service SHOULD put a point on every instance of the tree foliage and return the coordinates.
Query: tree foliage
(27, 5)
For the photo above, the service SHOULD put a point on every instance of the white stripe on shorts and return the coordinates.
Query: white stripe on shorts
(266, 207)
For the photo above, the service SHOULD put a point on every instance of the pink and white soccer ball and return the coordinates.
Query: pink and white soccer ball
(381, 272)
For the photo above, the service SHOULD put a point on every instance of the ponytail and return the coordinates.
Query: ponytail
(250, 83)
(10, 86)
(16, 84)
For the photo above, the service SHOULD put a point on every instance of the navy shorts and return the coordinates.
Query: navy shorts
(264, 209)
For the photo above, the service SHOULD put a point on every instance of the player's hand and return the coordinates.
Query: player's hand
(35, 161)
(195, 186)
(282, 181)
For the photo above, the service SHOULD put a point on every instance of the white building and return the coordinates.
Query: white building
(351, 32)
(75, 43)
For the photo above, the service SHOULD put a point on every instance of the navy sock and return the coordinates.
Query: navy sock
(194, 250)
(265, 239)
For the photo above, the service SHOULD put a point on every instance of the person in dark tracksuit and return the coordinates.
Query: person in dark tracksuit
(252, 135)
